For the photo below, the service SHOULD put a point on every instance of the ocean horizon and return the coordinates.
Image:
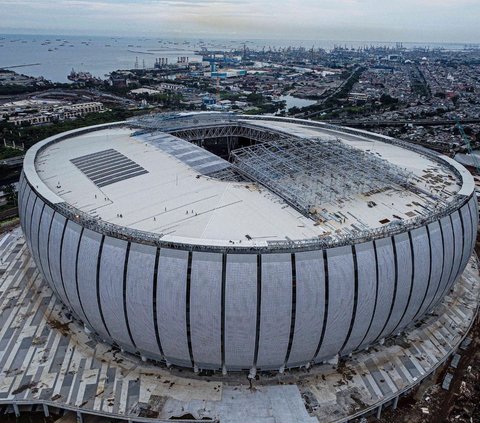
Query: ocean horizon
(54, 56)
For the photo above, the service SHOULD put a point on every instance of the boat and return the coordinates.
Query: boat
(82, 77)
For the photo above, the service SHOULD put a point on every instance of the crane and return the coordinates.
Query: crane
(466, 141)
(218, 89)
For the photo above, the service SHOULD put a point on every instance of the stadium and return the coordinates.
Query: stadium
(244, 243)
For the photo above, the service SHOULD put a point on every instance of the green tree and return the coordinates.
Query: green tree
(10, 194)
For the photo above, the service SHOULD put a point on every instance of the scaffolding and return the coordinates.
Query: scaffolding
(310, 172)
(200, 127)
(204, 131)
(167, 122)
(307, 173)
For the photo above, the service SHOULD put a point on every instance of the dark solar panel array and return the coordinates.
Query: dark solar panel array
(107, 167)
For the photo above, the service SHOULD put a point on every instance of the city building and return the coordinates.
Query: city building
(32, 112)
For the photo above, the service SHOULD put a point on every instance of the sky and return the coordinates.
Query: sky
(352, 20)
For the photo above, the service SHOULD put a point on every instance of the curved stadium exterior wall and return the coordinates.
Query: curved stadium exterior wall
(242, 309)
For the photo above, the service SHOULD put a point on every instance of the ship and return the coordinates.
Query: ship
(82, 77)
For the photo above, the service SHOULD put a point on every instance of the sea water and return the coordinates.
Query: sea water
(54, 56)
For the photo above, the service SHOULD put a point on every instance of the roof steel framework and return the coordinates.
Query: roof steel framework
(309, 172)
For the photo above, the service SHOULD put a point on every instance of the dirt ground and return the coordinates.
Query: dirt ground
(429, 403)
(8, 225)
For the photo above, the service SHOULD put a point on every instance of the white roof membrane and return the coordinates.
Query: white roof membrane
(176, 197)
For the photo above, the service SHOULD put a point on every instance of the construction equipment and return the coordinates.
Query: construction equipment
(466, 141)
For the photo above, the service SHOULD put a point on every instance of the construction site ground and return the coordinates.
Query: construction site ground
(430, 403)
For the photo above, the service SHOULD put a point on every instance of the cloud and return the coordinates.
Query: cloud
(407, 20)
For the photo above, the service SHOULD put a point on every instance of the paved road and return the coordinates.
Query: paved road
(423, 122)
(305, 115)
(12, 162)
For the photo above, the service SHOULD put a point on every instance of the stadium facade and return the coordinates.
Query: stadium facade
(312, 242)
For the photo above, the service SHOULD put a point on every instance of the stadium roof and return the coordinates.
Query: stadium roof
(156, 182)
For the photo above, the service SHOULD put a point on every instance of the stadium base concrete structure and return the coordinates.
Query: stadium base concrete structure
(49, 364)
(226, 305)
